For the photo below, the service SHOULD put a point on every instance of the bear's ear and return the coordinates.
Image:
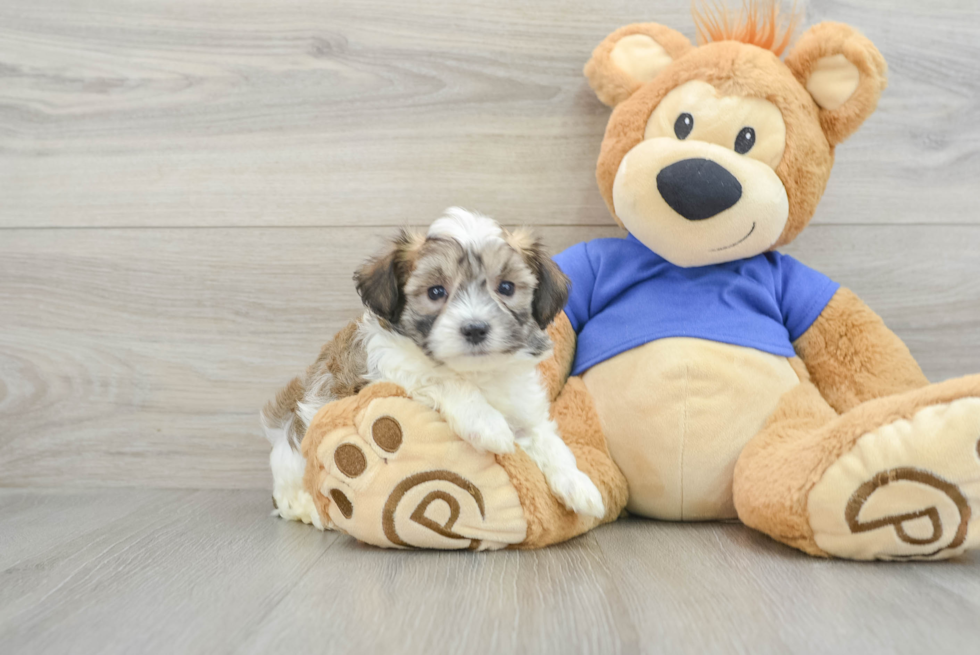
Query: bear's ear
(844, 74)
(630, 57)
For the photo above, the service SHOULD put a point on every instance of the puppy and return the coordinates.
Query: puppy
(457, 318)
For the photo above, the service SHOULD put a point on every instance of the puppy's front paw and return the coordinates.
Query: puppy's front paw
(577, 492)
(486, 430)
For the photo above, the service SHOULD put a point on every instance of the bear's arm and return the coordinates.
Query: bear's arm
(556, 369)
(853, 357)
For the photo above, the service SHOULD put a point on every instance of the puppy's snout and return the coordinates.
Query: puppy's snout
(475, 333)
(698, 188)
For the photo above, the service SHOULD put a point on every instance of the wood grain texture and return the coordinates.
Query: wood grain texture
(164, 571)
(304, 112)
(141, 357)
(185, 189)
(726, 588)
(180, 572)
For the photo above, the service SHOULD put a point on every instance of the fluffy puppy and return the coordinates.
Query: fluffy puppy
(457, 318)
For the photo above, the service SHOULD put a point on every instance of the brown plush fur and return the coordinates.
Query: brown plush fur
(827, 39)
(803, 438)
(611, 84)
(548, 522)
(766, 487)
(852, 357)
(556, 369)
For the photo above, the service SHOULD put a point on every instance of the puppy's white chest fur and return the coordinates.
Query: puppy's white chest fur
(507, 388)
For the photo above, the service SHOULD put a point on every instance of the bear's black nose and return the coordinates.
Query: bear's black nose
(698, 188)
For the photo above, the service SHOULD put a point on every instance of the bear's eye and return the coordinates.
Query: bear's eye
(683, 126)
(745, 140)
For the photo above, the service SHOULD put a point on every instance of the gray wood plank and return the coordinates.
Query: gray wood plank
(211, 572)
(555, 601)
(344, 113)
(37, 521)
(141, 357)
(710, 587)
(191, 574)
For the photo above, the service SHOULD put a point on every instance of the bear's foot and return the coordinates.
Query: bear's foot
(908, 489)
(391, 473)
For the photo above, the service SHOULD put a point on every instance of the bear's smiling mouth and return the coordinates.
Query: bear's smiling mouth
(751, 230)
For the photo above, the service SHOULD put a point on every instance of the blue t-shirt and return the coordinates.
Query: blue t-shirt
(624, 295)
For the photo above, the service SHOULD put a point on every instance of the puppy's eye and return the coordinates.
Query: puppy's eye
(506, 288)
(745, 140)
(437, 292)
(683, 126)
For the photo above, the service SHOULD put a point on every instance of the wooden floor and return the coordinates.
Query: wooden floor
(184, 571)
(185, 189)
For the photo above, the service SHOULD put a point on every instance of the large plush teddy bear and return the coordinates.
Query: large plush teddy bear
(698, 373)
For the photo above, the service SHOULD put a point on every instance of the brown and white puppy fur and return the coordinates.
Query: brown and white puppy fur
(339, 371)
(457, 318)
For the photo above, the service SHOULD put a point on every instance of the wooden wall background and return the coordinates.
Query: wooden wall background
(186, 187)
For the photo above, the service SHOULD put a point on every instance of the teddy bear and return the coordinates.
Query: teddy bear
(698, 374)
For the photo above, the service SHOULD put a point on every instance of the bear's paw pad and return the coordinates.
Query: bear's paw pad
(907, 490)
(399, 478)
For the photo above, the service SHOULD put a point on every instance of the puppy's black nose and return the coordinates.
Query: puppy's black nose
(698, 188)
(475, 332)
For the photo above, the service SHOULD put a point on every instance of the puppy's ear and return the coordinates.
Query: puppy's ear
(844, 74)
(551, 294)
(630, 57)
(380, 281)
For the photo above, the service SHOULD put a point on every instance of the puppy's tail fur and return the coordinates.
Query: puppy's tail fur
(284, 426)
(339, 371)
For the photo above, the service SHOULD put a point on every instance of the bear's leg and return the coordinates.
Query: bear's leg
(578, 424)
(893, 478)
(389, 471)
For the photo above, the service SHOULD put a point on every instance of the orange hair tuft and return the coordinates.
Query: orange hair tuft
(758, 23)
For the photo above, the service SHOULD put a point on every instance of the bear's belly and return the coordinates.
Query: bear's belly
(677, 412)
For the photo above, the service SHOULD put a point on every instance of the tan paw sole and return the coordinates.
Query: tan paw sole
(399, 478)
(907, 490)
